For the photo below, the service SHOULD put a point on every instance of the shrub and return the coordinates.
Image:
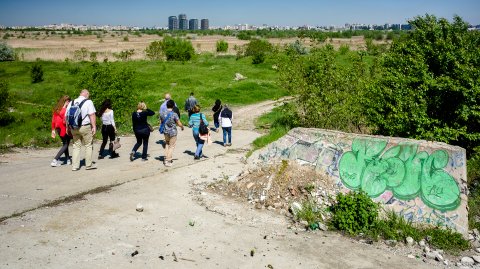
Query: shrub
(154, 51)
(222, 46)
(36, 73)
(177, 49)
(93, 56)
(310, 212)
(125, 38)
(105, 81)
(258, 48)
(81, 54)
(124, 55)
(5, 102)
(297, 47)
(354, 212)
(344, 49)
(6, 53)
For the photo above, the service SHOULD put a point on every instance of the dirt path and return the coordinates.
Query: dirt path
(179, 227)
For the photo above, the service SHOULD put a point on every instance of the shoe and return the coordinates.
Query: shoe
(91, 167)
(114, 155)
(144, 160)
(168, 163)
(55, 163)
(229, 144)
(100, 157)
(218, 130)
(132, 156)
(225, 144)
(196, 158)
(75, 169)
(69, 161)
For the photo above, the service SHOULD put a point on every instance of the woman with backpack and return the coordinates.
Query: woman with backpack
(169, 120)
(59, 128)
(108, 129)
(217, 108)
(199, 125)
(141, 129)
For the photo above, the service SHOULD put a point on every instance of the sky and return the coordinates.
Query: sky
(150, 13)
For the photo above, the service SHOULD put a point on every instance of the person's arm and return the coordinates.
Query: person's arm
(179, 123)
(113, 122)
(53, 125)
(149, 112)
(93, 122)
(190, 122)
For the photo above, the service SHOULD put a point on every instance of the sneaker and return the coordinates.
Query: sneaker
(114, 155)
(196, 158)
(69, 161)
(91, 167)
(229, 144)
(75, 169)
(100, 157)
(55, 163)
(132, 156)
(168, 163)
(225, 144)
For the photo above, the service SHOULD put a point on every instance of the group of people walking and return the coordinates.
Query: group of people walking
(76, 120)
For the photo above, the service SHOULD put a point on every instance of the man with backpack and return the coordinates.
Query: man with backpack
(81, 122)
(190, 103)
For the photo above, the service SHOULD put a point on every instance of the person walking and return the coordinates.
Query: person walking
(60, 128)
(169, 119)
(190, 103)
(217, 108)
(163, 107)
(225, 119)
(83, 136)
(141, 129)
(108, 129)
(195, 121)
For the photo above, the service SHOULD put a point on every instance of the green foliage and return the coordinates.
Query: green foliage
(125, 39)
(177, 49)
(329, 93)
(430, 84)
(93, 56)
(310, 212)
(354, 213)
(244, 35)
(258, 49)
(344, 49)
(222, 46)
(5, 102)
(36, 73)
(296, 48)
(108, 82)
(6, 53)
(154, 51)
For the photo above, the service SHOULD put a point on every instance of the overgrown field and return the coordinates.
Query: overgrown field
(209, 77)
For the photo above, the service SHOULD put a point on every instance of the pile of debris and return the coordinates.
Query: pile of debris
(281, 187)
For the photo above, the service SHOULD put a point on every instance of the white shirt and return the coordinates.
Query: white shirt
(225, 122)
(107, 118)
(87, 109)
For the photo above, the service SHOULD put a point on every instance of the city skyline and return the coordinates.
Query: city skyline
(149, 13)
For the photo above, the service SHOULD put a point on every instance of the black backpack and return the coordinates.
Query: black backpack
(203, 129)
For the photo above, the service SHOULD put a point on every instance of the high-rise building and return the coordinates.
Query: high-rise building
(193, 24)
(204, 24)
(182, 22)
(172, 23)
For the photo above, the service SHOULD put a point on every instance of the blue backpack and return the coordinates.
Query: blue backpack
(161, 129)
(74, 115)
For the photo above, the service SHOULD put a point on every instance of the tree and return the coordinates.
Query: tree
(6, 100)
(154, 51)
(430, 86)
(177, 49)
(258, 48)
(36, 73)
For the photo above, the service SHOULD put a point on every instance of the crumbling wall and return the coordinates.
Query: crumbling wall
(421, 180)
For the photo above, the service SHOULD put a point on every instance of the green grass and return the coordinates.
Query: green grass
(209, 77)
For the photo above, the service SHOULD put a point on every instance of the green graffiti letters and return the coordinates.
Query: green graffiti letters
(401, 169)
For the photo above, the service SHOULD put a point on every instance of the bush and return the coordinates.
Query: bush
(5, 102)
(222, 46)
(296, 48)
(177, 49)
(124, 55)
(105, 81)
(154, 51)
(258, 49)
(81, 54)
(6, 53)
(36, 73)
(430, 84)
(354, 213)
(344, 49)
(310, 212)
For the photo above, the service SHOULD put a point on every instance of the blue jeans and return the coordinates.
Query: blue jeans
(227, 131)
(217, 124)
(199, 142)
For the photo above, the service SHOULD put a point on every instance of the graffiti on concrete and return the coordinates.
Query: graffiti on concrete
(401, 169)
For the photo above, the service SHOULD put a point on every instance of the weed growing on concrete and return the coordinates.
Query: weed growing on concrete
(310, 212)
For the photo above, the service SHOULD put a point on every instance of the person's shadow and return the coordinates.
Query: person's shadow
(218, 142)
(189, 152)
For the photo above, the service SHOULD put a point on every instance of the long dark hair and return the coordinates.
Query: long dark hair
(60, 103)
(106, 104)
(217, 106)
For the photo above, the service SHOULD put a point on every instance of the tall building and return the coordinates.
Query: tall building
(182, 22)
(204, 24)
(172, 23)
(193, 24)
